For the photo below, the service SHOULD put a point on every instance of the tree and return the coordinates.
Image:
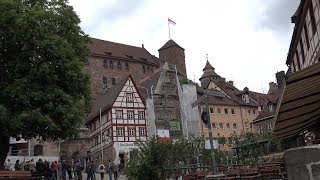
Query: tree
(44, 91)
(156, 159)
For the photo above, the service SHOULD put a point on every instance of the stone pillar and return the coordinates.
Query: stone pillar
(303, 163)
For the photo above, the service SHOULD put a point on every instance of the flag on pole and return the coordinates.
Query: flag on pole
(171, 22)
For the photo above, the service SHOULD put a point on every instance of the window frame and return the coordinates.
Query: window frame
(141, 116)
(133, 132)
(120, 131)
(129, 112)
(144, 131)
(129, 97)
(119, 116)
(235, 125)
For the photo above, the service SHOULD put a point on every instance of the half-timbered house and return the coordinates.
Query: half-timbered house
(117, 120)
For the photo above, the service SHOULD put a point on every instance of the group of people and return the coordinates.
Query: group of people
(50, 171)
(113, 168)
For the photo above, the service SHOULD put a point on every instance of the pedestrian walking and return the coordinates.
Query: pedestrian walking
(115, 170)
(110, 169)
(54, 169)
(101, 170)
(64, 169)
(80, 168)
(69, 170)
(89, 171)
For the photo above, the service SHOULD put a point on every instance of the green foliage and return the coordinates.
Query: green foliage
(156, 159)
(44, 90)
(188, 81)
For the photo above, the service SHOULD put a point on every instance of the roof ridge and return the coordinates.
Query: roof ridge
(118, 43)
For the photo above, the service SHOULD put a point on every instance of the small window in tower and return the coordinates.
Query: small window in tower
(211, 110)
(119, 65)
(219, 110)
(232, 111)
(226, 111)
(126, 66)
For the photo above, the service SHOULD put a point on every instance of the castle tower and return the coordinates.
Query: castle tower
(172, 53)
(208, 75)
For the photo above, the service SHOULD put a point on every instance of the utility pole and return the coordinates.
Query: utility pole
(210, 134)
(206, 120)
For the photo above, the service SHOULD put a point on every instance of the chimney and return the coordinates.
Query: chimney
(273, 87)
(231, 82)
(281, 79)
(142, 46)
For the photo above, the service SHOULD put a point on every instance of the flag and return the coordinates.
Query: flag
(171, 22)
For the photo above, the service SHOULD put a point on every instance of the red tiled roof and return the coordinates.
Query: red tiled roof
(207, 74)
(102, 47)
(169, 44)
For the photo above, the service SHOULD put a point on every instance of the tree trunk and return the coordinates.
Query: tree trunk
(4, 148)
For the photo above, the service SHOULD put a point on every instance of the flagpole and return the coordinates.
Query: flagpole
(169, 29)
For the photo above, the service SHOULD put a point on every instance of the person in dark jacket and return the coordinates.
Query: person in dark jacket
(64, 169)
(17, 165)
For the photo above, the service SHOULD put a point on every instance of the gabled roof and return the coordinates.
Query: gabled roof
(112, 49)
(149, 81)
(216, 100)
(106, 100)
(169, 44)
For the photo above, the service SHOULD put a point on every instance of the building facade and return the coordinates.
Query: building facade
(230, 114)
(304, 48)
(117, 120)
(298, 109)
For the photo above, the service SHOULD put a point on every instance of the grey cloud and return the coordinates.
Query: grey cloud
(113, 12)
(277, 14)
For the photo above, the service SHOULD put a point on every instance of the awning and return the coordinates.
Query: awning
(300, 103)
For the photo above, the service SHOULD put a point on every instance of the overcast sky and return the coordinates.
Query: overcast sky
(246, 40)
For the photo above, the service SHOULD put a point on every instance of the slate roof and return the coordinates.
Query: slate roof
(208, 65)
(106, 100)
(169, 44)
(102, 47)
(233, 92)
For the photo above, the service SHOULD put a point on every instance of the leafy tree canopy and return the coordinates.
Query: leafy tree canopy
(44, 90)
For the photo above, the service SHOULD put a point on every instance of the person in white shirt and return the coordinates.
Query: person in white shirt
(101, 170)
(8, 165)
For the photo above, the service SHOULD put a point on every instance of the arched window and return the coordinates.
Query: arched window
(38, 150)
(111, 64)
(119, 65)
(126, 66)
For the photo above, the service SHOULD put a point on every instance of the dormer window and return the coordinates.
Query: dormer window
(245, 98)
(271, 107)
